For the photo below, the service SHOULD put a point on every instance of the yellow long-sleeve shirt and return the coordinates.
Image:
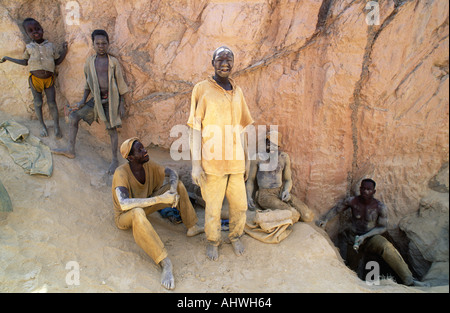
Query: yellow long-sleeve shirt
(221, 116)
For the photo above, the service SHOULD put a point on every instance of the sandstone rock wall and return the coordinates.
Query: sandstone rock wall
(351, 99)
(427, 231)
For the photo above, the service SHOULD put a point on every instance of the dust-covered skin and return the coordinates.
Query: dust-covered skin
(127, 203)
(368, 222)
(369, 215)
(35, 32)
(134, 209)
(231, 182)
(100, 42)
(274, 187)
(281, 177)
(274, 179)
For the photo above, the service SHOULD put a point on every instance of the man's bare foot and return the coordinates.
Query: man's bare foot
(212, 252)
(167, 280)
(238, 247)
(65, 152)
(113, 167)
(44, 132)
(195, 230)
(58, 133)
(417, 283)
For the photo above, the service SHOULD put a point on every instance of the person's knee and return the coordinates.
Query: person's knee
(388, 248)
(38, 102)
(380, 245)
(138, 213)
(238, 205)
(52, 104)
(74, 119)
(181, 189)
(112, 132)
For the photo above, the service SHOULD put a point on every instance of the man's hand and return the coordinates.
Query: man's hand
(285, 196)
(247, 170)
(168, 197)
(321, 223)
(121, 109)
(359, 240)
(77, 106)
(173, 189)
(198, 175)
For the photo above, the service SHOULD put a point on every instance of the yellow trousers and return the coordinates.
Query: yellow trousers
(213, 192)
(381, 246)
(143, 231)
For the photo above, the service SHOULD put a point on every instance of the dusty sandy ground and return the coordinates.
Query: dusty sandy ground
(69, 217)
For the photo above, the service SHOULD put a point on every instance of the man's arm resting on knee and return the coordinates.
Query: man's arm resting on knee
(127, 203)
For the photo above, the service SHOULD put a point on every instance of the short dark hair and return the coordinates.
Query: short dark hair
(369, 180)
(221, 48)
(29, 20)
(99, 32)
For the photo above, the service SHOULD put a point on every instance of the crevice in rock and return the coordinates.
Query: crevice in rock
(373, 34)
(323, 14)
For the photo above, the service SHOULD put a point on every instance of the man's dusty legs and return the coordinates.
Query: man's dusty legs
(114, 148)
(195, 230)
(73, 130)
(50, 93)
(212, 251)
(167, 279)
(238, 247)
(38, 102)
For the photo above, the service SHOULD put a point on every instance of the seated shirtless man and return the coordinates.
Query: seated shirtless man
(368, 222)
(274, 186)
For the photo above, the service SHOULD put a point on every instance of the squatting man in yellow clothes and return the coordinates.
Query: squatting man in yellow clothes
(138, 191)
(368, 222)
(218, 117)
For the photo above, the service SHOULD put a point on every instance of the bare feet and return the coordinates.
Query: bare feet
(212, 252)
(417, 283)
(238, 247)
(65, 152)
(167, 280)
(44, 132)
(195, 230)
(113, 166)
(58, 133)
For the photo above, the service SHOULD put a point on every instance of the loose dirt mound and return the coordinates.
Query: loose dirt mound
(69, 217)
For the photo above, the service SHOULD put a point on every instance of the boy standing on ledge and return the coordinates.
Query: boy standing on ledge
(104, 79)
(41, 57)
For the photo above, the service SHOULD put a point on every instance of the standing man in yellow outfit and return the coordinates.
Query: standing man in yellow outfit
(218, 117)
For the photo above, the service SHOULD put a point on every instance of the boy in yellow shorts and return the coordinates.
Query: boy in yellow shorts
(41, 57)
